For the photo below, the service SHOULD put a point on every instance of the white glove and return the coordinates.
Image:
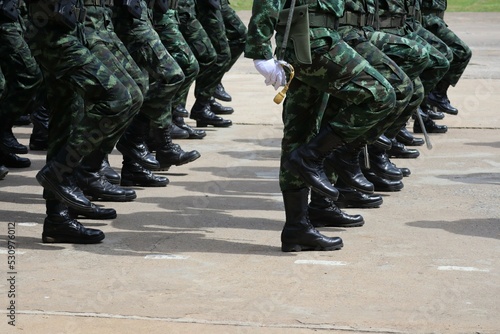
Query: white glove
(272, 71)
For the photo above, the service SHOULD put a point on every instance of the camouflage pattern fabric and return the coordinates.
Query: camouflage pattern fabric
(360, 97)
(20, 75)
(196, 37)
(461, 52)
(236, 32)
(88, 102)
(167, 27)
(102, 41)
(213, 23)
(145, 46)
(439, 54)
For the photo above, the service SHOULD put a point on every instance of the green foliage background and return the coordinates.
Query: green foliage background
(453, 5)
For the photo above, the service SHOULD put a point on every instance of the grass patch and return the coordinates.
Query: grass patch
(453, 5)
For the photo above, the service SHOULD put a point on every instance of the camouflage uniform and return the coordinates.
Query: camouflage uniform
(20, 75)
(81, 90)
(211, 19)
(167, 27)
(432, 20)
(164, 74)
(392, 16)
(355, 33)
(361, 97)
(236, 32)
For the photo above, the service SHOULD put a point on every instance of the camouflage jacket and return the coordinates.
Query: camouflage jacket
(265, 16)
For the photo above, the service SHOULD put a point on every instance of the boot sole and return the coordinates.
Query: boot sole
(64, 239)
(300, 248)
(108, 198)
(348, 204)
(204, 125)
(2, 176)
(357, 224)
(127, 183)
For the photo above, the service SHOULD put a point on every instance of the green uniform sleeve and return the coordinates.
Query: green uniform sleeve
(261, 28)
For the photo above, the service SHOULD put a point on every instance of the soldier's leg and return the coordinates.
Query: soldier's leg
(207, 80)
(167, 27)
(236, 33)
(22, 79)
(461, 57)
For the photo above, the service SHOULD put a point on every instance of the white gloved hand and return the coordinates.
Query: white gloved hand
(272, 71)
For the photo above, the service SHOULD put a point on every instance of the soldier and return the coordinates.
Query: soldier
(361, 98)
(21, 79)
(433, 20)
(134, 27)
(202, 26)
(236, 34)
(167, 27)
(89, 105)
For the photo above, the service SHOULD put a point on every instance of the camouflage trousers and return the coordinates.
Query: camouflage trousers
(197, 39)
(88, 102)
(210, 77)
(236, 32)
(20, 76)
(360, 97)
(403, 88)
(102, 41)
(413, 58)
(157, 65)
(167, 27)
(461, 52)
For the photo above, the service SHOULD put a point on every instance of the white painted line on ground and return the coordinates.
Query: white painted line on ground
(5, 251)
(27, 224)
(321, 262)
(165, 257)
(462, 268)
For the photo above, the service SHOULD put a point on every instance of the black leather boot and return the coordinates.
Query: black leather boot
(8, 142)
(298, 233)
(406, 138)
(59, 227)
(429, 124)
(193, 133)
(57, 176)
(3, 171)
(22, 120)
(382, 184)
(98, 213)
(180, 111)
(108, 172)
(344, 161)
(383, 143)
(134, 174)
(323, 212)
(381, 165)
(352, 198)
(12, 160)
(177, 132)
(221, 94)
(398, 150)
(204, 116)
(95, 185)
(219, 109)
(439, 98)
(307, 161)
(133, 143)
(168, 153)
(40, 133)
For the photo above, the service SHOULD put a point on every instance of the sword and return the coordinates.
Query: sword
(424, 131)
(281, 95)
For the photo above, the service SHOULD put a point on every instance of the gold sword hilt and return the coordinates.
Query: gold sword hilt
(281, 95)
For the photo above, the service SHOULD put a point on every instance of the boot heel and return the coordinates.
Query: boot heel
(200, 124)
(291, 248)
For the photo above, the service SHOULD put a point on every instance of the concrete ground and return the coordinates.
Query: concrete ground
(202, 255)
